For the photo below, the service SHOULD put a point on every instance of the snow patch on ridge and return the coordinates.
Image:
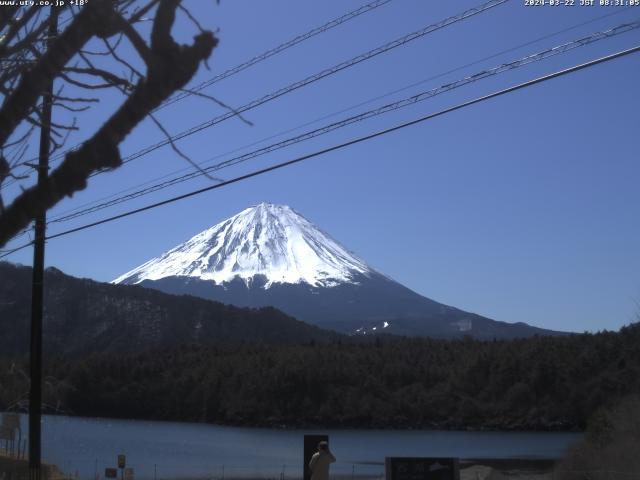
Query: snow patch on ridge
(270, 240)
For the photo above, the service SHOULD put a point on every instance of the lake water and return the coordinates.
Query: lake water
(84, 447)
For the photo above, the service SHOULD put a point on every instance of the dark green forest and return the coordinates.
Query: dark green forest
(541, 383)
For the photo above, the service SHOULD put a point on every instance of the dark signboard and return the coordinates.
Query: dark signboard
(110, 473)
(421, 468)
(311, 447)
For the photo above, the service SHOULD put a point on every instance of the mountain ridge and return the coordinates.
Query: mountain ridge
(271, 255)
(84, 316)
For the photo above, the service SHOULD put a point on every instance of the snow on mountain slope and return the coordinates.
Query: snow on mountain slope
(270, 240)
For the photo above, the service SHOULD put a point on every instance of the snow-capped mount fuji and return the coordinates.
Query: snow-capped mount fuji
(271, 241)
(271, 255)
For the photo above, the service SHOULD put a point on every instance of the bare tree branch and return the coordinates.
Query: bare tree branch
(112, 50)
(193, 19)
(27, 40)
(110, 78)
(179, 152)
(89, 22)
(137, 16)
(137, 41)
(75, 99)
(21, 139)
(220, 103)
(86, 86)
(169, 67)
(6, 16)
(14, 29)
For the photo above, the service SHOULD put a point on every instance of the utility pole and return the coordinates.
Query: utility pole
(35, 365)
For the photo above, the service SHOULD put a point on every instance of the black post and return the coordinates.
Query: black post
(35, 366)
(19, 440)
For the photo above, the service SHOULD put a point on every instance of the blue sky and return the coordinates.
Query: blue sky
(523, 208)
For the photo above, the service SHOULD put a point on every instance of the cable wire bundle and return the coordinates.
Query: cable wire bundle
(349, 143)
(536, 57)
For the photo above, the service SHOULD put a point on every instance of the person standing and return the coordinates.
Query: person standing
(320, 461)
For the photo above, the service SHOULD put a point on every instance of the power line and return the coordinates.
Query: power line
(6, 253)
(261, 57)
(355, 141)
(274, 51)
(324, 117)
(312, 79)
(316, 77)
(550, 52)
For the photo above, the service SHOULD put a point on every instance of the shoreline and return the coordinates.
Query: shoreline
(470, 469)
(19, 468)
(201, 450)
(433, 427)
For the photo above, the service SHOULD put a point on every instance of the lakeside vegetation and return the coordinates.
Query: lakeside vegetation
(610, 446)
(541, 383)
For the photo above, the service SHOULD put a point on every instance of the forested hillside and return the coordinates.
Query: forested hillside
(82, 316)
(537, 383)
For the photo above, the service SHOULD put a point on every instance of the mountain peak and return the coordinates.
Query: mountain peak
(267, 240)
(265, 212)
(271, 206)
